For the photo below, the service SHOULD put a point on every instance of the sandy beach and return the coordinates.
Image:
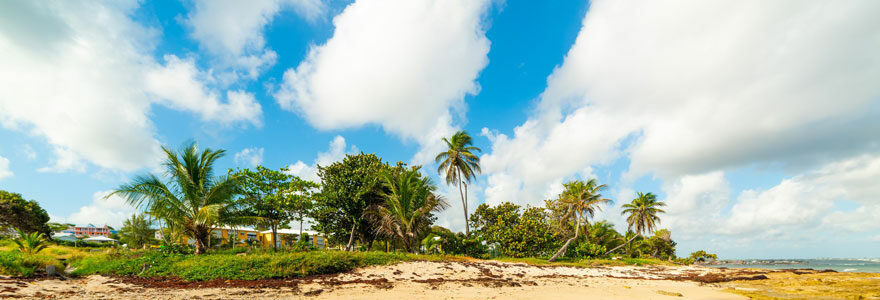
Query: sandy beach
(414, 280)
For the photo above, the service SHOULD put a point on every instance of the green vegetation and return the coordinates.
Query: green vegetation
(17, 213)
(30, 243)
(226, 266)
(21, 264)
(514, 233)
(194, 201)
(579, 202)
(408, 208)
(642, 211)
(136, 231)
(459, 165)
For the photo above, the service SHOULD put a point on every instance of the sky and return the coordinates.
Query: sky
(757, 122)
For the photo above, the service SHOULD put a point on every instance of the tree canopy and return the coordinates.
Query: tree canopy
(17, 213)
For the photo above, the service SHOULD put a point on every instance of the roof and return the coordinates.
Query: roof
(239, 228)
(292, 231)
(99, 239)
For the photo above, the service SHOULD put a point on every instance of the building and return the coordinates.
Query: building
(287, 236)
(90, 230)
(240, 234)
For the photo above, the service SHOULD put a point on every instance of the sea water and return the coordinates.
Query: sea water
(871, 265)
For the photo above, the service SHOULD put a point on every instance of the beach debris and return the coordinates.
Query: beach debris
(665, 293)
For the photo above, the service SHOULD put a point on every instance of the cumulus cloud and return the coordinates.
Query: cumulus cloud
(406, 73)
(681, 89)
(232, 30)
(112, 211)
(335, 152)
(250, 157)
(79, 75)
(4, 168)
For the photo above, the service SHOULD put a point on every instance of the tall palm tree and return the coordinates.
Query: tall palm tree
(408, 208)
(642, 217)
(192, 199)
(459, 164)
(580, 200)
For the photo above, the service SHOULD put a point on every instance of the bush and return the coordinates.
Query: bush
(225, 266)
(18, 264)
(585, 249)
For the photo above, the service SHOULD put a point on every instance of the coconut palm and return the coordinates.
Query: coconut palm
(192, 199)
(580, 200)
(30, 243)
(459, 164)
(642, 217)
(408, 208)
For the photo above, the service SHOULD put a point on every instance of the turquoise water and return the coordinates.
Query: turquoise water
(871, 265)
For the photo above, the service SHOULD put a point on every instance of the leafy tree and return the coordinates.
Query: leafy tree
(458, 243)
(137, 231)
(28, 216)
(54, 227)
(642, 215)
(660, 245)
(459, 164)
(30, 243)
(348, 189)
(193, 200)
(270, 197)
(513, 233)
(702, 256)
(580, 200)
(408, 208)
(603, 233)
(300, 195)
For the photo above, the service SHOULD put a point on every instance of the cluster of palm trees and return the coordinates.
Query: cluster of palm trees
(194, 200)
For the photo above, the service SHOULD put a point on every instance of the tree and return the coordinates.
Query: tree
(30, 243)
(17, 213)
(193, 200)
(300, 195)
(642, 215)
(514, 234)
(459, 164)
(703, 256)
(408, 208)
(348, 188)
(265, 198)
(580, 200)
(54, 227)
(137, 231)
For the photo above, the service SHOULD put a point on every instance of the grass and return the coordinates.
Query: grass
(225, 266)
(14, 263)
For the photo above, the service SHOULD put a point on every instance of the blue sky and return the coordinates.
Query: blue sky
(756, 122)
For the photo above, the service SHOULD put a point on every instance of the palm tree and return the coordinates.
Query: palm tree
(642, 215)
(30, 243)
(408, 209)
(580, 200)
(192, 200)
(459, 164)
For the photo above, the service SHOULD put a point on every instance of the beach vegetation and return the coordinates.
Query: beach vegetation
(30, 243)
(459, 164)
(408, 207)
(578, 202)
(513, 231)
(641, 215)
(25, 215)
(137, 231)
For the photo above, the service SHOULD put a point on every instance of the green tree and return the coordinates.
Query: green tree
(59, 226)
(30, 243)
(17, 213)
(300, 195)
(266, 198)
(408, 208)
(580, 200)
(641, 215)
(514, 234)
(703, 256)
(459, 165)
(137, 231)
(193, 200)
(348, 188)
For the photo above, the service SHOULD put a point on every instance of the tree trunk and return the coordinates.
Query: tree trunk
(199, 238)
(561, 251)
(467, 230)
(274, 237)
(621, 245)
(300, 224)
(350, 238)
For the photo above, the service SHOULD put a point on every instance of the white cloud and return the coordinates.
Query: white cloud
(407, 72)
(4, 168)
(65, 160)
(76, 74)
(112, 211)
(697, 87)
(233, 30)
(335, 152)
(250, 157)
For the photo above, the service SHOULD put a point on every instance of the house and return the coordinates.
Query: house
(287, 236)
(90, 230)
(64, 236)
(241, 234)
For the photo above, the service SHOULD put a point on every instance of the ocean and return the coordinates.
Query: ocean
(871, 265)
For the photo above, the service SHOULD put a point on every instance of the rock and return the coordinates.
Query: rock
(51, 270)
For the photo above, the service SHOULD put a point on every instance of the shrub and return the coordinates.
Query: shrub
(585, 249)
(19, 264)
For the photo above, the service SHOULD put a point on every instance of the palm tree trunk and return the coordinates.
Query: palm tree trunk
(621, 245)
(467, 230)
(350, 237)
(565, 246)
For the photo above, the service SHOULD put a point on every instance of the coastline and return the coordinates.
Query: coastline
(447, 280)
